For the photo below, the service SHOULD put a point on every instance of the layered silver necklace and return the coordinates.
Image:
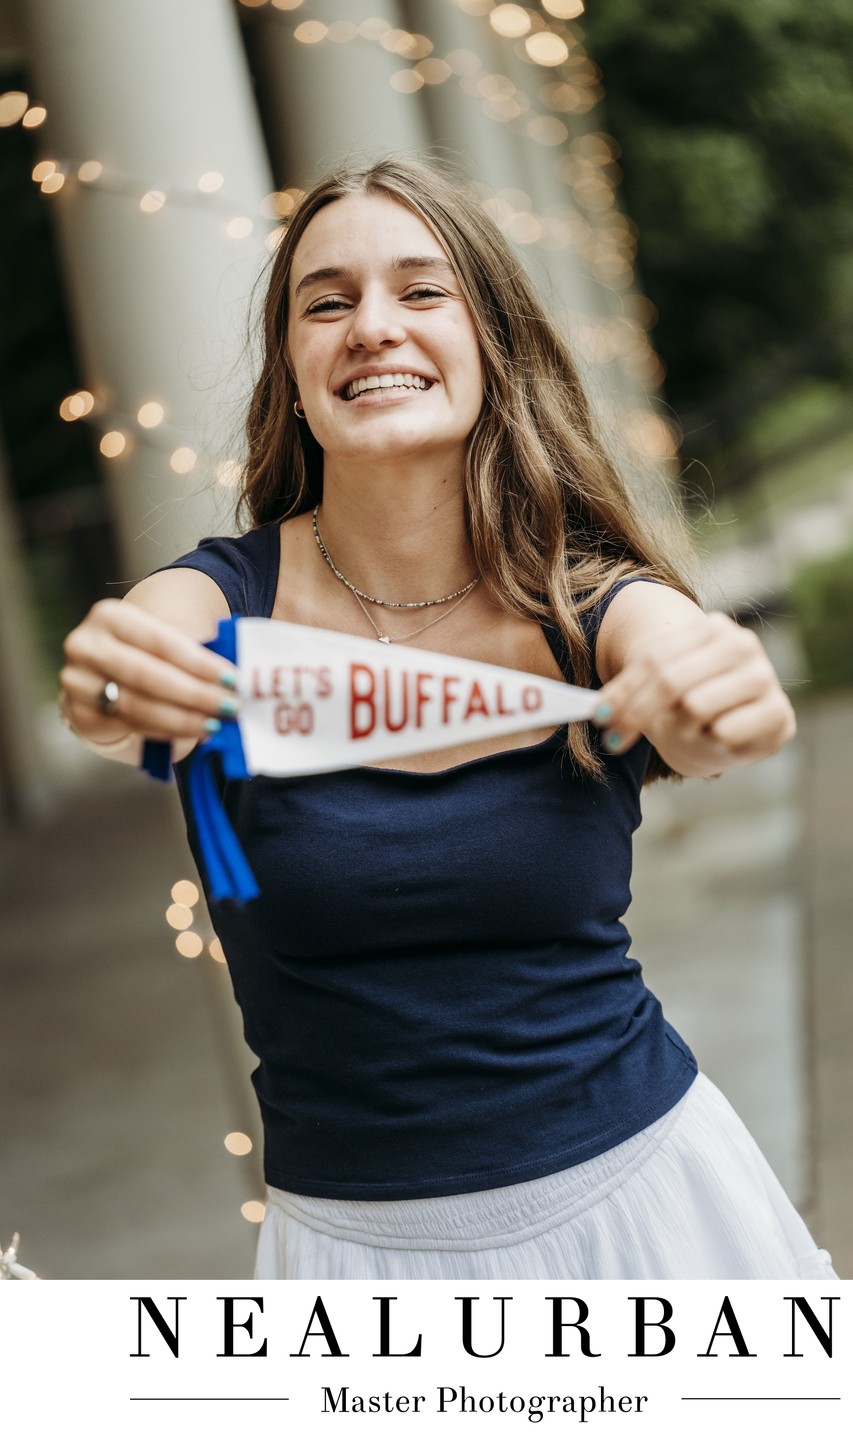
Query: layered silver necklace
(361, 598)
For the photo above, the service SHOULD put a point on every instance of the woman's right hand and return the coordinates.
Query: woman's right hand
(170, 687)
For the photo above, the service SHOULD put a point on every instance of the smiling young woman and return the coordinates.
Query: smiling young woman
(461, 1071)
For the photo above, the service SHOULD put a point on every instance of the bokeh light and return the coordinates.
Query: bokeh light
(183, 460)
(113, 443)
(310, 32)
(189, 944)
(563, 9)
(13, 106)
(546, 48)
(185, 892)
(512, 21)
(76, 406)
(179, 916)
(406, 82)
(253, 1211)
(238, 1143)
(151, 414)
(240, 227)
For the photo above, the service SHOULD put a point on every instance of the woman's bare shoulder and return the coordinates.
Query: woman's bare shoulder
(184, 597)
(636, 614)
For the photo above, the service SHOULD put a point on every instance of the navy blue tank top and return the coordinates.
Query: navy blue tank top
(435, 978)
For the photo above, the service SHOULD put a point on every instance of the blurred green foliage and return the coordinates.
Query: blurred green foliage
(735, 119)
(823, 602)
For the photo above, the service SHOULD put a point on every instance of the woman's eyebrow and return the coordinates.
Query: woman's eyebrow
(424, 261)
(318, 276)
(406, 261)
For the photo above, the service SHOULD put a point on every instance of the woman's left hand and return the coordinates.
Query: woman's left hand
(699, 686)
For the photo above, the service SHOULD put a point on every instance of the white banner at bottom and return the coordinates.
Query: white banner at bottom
(653, 1356)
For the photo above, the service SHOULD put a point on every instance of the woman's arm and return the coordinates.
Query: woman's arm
(170, 686)
(698, 686)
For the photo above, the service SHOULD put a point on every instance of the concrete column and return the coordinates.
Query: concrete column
(157, 93)
(331, 100)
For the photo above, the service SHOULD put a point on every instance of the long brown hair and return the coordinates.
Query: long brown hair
(550, 521)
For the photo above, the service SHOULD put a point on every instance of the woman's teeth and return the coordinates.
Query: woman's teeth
(385, 381)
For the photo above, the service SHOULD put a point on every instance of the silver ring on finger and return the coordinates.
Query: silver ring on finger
(107, 699)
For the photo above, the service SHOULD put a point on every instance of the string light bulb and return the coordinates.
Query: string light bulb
(53, 183)
(13, 106)
(179, 916)
(152, 200)
(342, 32)
(76, 406)
(238, 1143)
(546, 48)
(511, 21)
(433, 71)
(240, 227)
(564, 9)
(650, 435)
(229, 473)
(406, 82)
(183, 460)
(310, 32)
(253, 1211)
(547, 130)
(373, 28)
(189, 944)
(90, 170)
(149, 416)
(34, 117)
(476, 7)
(185, 892)
(211, 181)
(464, 62)
(113, 443)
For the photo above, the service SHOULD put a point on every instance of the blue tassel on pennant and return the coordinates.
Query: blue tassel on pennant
(228, 873)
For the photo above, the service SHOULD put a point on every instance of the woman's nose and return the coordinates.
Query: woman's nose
(375, 323)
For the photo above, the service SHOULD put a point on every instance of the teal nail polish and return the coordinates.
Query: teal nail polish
(603, 712)
(613, 740)
(229, 708)
(212, 725)
(228, 680)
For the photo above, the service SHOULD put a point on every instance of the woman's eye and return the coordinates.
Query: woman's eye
(326, 306)
(425, 293)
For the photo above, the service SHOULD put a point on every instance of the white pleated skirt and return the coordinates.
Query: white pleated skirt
(689, 1198)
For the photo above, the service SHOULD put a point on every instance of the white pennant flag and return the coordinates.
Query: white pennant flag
(316, 701)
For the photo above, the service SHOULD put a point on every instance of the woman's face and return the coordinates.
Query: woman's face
(381, 339)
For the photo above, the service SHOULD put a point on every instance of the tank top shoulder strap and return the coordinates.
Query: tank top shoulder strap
(245, 569)
(591, 621)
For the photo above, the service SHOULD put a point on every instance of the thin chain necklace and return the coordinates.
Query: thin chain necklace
(384, 602)
(404, 637)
